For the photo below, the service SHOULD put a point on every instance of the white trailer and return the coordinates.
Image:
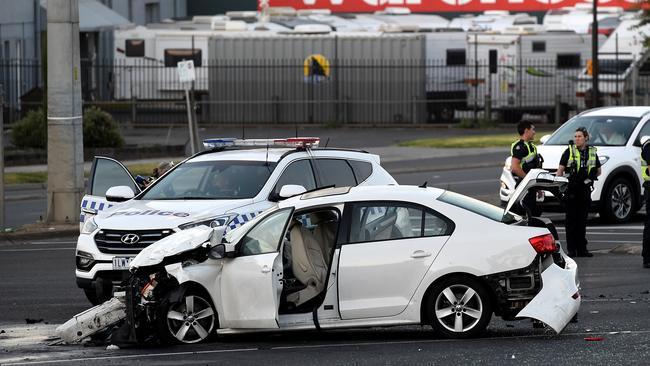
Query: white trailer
(579, 17)
(624, 69)
(492, 20)
(533, 70)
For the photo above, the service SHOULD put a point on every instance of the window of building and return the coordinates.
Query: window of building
(134, 48)
(175, 55)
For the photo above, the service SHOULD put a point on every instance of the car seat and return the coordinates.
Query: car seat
(308, 263)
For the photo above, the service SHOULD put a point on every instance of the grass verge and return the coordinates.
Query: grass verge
(495, 140)
(41, 177)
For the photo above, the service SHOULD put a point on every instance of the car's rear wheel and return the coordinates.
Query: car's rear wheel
(190, 320)
(618, 201)
(459, 307)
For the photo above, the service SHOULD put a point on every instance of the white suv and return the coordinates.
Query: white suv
(616, 132)
(223, 186)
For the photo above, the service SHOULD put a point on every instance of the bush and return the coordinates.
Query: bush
(99, 130)
(31, 131)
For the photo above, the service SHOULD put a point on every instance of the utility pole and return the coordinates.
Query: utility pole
(64, 113)
(594, 57)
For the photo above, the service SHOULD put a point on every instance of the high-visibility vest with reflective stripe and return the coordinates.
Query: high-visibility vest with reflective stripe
(532, 152)
(574, 158)
(644, 169)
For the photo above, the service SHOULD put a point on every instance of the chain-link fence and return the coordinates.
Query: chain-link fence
(378, 92)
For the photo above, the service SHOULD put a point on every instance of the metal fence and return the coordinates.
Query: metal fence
(146, 92)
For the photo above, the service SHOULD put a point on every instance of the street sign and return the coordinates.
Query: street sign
(186, 72)
(316, 69)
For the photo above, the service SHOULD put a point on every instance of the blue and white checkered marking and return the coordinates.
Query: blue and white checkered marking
(241, 219)
(96, 205)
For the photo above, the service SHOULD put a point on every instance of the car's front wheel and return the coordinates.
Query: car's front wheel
(618, 201)
(190, 320)
(459, 307)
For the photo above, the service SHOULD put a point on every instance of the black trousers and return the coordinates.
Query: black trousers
(646, 229)
(577, 202)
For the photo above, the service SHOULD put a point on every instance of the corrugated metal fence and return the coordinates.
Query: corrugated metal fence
(317, 90)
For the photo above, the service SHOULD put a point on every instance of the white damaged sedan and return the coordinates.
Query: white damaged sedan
(356, 257)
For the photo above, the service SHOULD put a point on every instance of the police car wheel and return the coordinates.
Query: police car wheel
(619, 201)
(91, 295)
(459, 307)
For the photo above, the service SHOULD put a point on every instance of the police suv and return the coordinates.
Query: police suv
(617, 133)
(228, 184)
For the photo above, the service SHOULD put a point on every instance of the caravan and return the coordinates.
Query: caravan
(624, 70)
(526, 70)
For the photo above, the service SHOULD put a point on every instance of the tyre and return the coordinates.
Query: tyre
(618, 202)
(445, 114)
(459, 307)
(91, 295)
(190, 320)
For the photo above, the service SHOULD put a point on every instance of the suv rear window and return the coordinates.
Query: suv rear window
(478, 207)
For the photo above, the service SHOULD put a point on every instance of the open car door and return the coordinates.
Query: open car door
(537, 179)
(104, 174)
(251, 283)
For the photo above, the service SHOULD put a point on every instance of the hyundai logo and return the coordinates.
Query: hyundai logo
(130, 238)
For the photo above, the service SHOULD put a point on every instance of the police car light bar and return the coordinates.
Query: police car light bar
(288, 142)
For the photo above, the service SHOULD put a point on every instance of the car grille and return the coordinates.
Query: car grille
(110, 241)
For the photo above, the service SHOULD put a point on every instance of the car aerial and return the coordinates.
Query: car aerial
(616, 132)
(352, 257)
(227, 185)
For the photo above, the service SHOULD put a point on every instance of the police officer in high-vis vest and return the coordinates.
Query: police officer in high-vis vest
(524, 158)
(645, 159)
(580, 162)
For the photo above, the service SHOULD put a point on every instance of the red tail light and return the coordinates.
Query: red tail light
(543, 244)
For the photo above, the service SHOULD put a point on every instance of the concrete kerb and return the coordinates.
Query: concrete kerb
(40, 231)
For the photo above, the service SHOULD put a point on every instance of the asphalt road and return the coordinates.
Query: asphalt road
(38, 283)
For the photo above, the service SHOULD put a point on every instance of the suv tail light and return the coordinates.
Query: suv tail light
(543, 243)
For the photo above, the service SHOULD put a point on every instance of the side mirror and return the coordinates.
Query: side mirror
(290, 190)
(217, 252)
(544, 139)
(119, 194)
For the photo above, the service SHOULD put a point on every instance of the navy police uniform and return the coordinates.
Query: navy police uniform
(529, 159)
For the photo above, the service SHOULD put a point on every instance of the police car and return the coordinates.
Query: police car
(228, 184)
(617, 133)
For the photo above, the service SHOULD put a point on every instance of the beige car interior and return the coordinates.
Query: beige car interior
(311, 244)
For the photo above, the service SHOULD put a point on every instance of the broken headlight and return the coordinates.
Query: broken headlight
(211, 222)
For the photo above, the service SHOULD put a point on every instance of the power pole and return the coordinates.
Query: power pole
(594, 57)
(64, 113)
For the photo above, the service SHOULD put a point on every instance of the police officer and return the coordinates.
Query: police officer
(580, 162)
(524, 158)
(645, 158)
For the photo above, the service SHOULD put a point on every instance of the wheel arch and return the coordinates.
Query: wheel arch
(424, 314)
(626, 172)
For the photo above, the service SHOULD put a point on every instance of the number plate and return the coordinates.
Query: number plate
(121, 262)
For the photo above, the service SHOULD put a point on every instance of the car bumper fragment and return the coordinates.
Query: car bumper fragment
(93, 320)
(558, 301)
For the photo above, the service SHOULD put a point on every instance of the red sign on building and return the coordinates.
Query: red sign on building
(431, 6)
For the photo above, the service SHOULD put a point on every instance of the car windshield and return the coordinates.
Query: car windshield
(478, 207)
(603, 130)
(211, 180)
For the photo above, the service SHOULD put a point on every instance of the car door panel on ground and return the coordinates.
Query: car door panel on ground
(104, 174)
(251, 283)
(386, 255)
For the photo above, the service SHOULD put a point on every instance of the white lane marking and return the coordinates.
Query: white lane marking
(617, 229)
(34, 249)
(167, 354)
(615, 242)
(605, 233)
(338, 345)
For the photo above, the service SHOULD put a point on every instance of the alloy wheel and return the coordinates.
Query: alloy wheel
(621, 200)
(191, 321)
(458, 308)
